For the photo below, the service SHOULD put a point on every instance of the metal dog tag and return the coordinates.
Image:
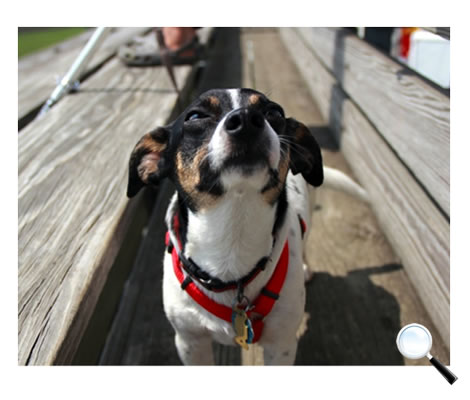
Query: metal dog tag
(242, 326)
(239, 319)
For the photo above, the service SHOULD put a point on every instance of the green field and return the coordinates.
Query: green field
(29, 42)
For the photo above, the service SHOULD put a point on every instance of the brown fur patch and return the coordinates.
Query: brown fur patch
(214, 101)
(148, 165)
(189, 177)
(150, 144)
(300, 133)
(271, 195)
(253, 99)
(149, 162)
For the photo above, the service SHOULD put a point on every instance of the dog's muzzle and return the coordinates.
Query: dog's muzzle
(244, 140)
(245, 125)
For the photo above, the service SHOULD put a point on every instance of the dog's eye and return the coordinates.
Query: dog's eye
(274, 113)
(195, 115)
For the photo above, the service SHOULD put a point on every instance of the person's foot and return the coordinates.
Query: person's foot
(181, 43)
(175, 38)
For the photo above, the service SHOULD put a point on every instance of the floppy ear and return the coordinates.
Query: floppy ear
(305, 154)
(148, 163)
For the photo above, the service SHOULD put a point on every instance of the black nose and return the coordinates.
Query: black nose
(244, 121)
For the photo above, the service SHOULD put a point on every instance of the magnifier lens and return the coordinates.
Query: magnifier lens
(414, 342)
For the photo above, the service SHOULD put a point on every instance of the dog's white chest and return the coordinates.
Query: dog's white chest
(189, 317)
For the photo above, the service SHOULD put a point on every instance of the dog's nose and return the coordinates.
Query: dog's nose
(244, 121)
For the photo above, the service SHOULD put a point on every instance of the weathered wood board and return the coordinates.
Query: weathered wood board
(417, 230)
(412, 116)
(73, 210)
(38, 73)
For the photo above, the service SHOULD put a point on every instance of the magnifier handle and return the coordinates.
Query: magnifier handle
(451, 378)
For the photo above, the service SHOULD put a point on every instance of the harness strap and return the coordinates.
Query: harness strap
(166, 58)
(262, 306)
(214, 284)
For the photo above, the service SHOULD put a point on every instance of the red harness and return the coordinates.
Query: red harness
(259, 309)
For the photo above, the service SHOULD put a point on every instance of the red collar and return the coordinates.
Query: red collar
(259, 308)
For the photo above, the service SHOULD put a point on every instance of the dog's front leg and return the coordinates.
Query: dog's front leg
(280, 353)
(194, 349)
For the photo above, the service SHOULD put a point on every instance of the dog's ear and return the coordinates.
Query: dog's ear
(305, 154)
(148, 162)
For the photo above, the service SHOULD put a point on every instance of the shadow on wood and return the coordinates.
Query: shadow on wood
(351, 321)
(324, 138)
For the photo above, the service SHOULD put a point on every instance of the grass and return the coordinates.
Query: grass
(31, 41)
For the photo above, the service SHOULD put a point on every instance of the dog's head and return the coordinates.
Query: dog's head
(226, 139)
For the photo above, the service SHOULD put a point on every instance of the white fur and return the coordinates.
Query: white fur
(218, 147)
(338, 180)
(235, 97)
(274, 146)
(228, 239)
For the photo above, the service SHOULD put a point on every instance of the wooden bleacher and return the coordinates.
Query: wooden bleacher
(90, 259)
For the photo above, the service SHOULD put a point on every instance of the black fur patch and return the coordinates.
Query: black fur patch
(183, 221)
(210, 180)
(281, 211)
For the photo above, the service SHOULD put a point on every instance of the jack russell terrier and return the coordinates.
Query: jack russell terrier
(234, 270)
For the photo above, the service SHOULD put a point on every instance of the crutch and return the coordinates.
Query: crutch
(73, 75)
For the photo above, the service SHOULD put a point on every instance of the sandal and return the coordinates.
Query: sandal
(145, 55)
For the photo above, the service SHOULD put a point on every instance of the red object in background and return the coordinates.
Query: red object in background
(405, 41)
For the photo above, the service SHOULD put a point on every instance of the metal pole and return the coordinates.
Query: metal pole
(76, 69)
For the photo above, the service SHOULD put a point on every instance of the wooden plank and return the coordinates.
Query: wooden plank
(94, 337)
(417, 230)
(38, 73)
(140, 314)
(73, 211)
(412, 116)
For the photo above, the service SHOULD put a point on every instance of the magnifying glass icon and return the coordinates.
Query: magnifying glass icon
(414, 341)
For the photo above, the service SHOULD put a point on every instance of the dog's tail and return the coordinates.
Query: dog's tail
(337, 180)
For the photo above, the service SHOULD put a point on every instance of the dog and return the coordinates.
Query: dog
(234, 270)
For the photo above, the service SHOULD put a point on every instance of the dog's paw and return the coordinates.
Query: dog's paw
(308, 274)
